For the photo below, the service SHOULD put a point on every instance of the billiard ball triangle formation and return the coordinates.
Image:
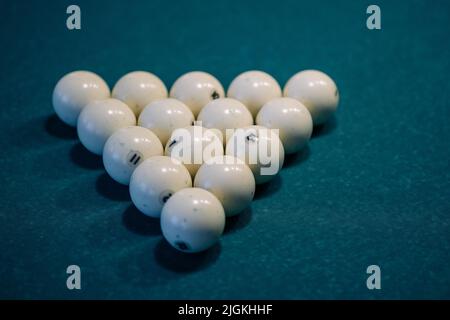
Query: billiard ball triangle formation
(193, 156)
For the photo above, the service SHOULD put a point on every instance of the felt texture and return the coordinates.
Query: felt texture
(371, 188)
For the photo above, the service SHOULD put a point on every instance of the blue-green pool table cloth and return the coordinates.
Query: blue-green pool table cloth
(372, 188)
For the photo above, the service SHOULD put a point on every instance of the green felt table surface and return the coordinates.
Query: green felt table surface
(371, 188)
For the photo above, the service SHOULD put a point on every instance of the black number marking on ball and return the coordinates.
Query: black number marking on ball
(251, 137)
(165, 198)
(182, 245)
(134, 158)
(172, 143)
(215, 95)
(165, 195)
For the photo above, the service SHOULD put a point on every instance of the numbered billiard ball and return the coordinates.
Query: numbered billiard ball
(291, 118)
(164, 116)
(154, 181)
(126, 149)
(194, 145)
(196, 89)
(100, 119)
(317, 91)
(260, 148)
(138, 88)
(192, 220)
(225, 113)
(230, 180)
(76, 90)
(254, 89)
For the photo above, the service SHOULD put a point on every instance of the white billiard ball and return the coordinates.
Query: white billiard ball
(225, 113)
(254, 89)
(317, 91)
(126, 149)
(100, 119)
(164, 116)
(260, 148)
(76, 90)
(196, 89)
(193, 146)
(192, 220)
(154, 181)
(138, 88)
(230, 180)
(291, 118)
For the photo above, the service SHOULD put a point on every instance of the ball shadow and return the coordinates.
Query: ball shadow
(237, 222)
(139, 223)
(85, 159)
(179, 262)
(325, 129)
(296, 158)
(55, 127)
(266, 189)
(111, 189)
